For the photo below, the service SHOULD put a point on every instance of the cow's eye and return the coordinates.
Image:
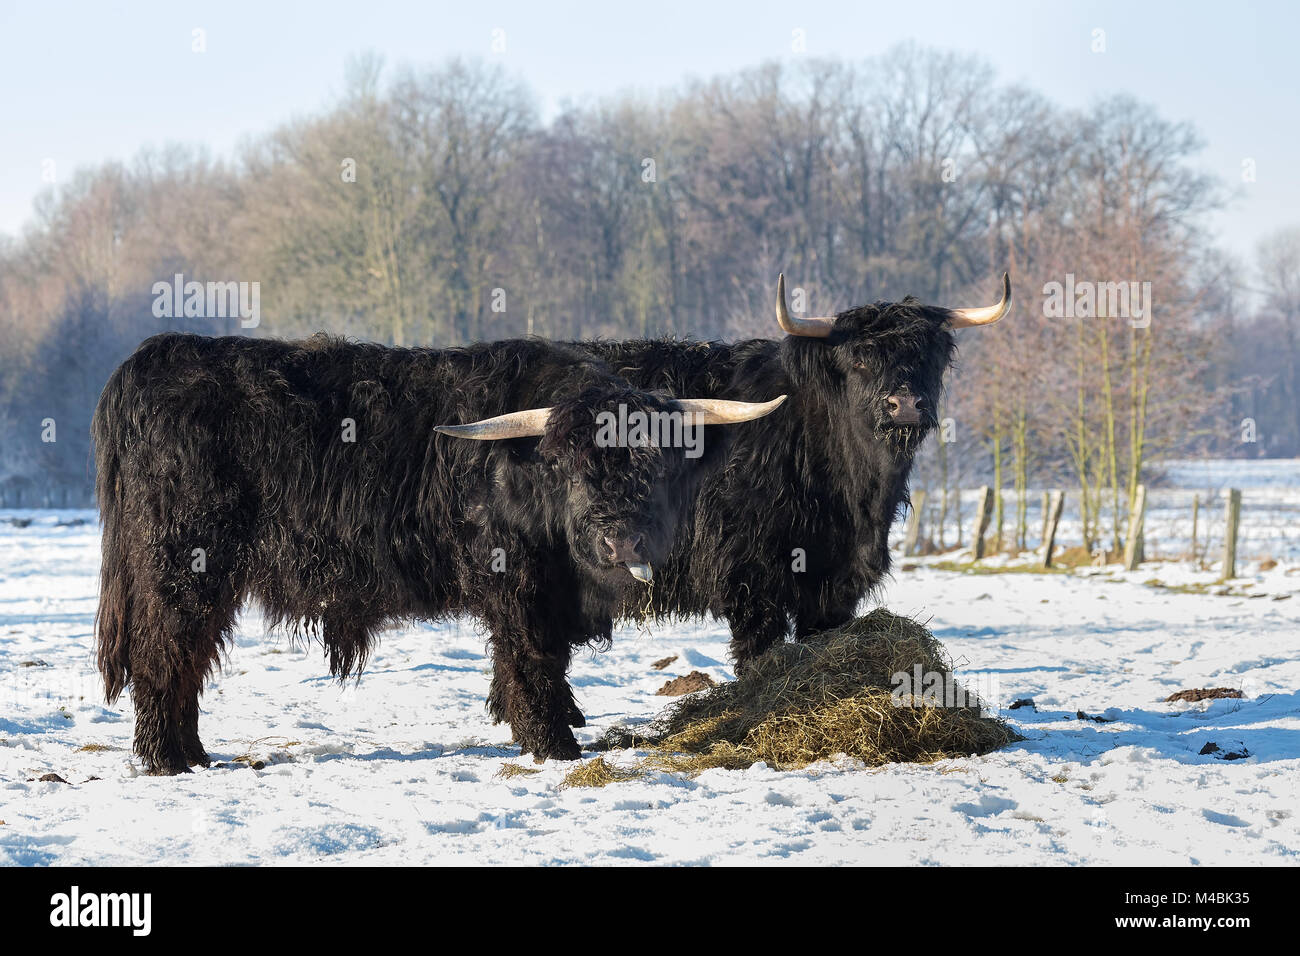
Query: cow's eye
(861, 365)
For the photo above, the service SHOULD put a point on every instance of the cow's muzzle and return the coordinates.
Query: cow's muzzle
(903, 409)
(627, 552)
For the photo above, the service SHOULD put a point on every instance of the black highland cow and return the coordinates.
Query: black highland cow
(791, 530)
(316, 478)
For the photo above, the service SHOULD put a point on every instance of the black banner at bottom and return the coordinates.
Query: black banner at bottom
(336, 905)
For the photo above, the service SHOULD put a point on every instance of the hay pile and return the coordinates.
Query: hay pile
(829, 695)
(598, 773)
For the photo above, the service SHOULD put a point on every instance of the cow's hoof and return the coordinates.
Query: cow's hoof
(164, 761)
(575, 718)
(166, 771)
(557, 750)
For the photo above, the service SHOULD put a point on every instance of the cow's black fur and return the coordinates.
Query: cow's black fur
(791, 531)
(224, 474)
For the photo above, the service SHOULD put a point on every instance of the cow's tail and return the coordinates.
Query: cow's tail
(113, 618)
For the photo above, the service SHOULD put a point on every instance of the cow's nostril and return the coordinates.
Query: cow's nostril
(903, 408)
(625, 550)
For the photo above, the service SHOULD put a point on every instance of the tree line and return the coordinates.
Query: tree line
(435, 207)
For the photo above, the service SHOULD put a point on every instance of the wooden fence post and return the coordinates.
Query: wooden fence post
(957, 500)
(1233, 516)
(1133, 543)
(1056, 506)
(983, 515)
(1196, 517)
(913, 529)
(1046, 509)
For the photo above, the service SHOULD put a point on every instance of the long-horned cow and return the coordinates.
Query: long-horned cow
(326, 481)
(791, 530)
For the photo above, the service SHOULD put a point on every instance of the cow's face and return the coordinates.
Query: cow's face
(892, 358)
(883, 364)
(624, 496)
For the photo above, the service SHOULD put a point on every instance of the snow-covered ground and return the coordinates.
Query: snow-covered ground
(403, 768)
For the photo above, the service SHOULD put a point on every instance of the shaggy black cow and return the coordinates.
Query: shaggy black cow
(312, 477)
(793, 529)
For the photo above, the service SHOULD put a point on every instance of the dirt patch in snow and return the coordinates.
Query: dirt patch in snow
(1204, 693)
(695, 680)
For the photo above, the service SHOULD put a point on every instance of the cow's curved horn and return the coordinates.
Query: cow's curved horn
(984, 315)
(523, 424)
(817, 327)
(716, 411)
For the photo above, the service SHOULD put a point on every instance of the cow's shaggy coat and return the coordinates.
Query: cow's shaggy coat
(307, 476)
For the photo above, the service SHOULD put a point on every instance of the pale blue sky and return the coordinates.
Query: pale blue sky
(85, 82)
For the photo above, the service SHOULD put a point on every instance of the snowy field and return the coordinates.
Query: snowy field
(403, 768)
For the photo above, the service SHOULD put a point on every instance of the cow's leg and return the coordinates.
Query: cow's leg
(195, 755)
(165, 689)
(811, 621)
(496, 702)
(755, 628)
(208, 636)
(176, 641)
(575, 716)
(499, 689)
(167, 675)
(158, 738)
(530, 688)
